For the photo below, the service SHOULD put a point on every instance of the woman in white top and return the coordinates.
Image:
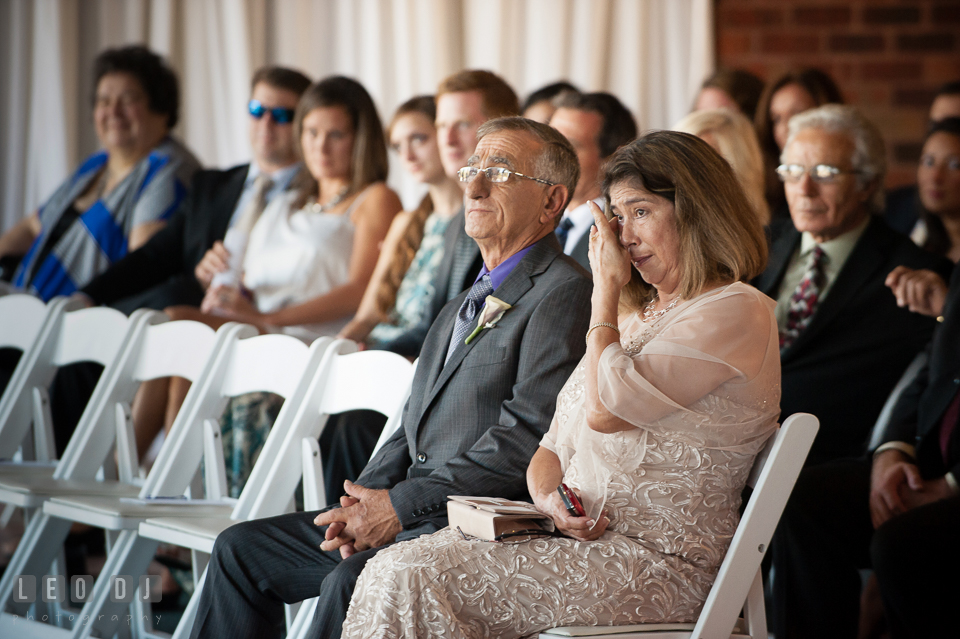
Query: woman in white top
(313, 250)
(309, 255)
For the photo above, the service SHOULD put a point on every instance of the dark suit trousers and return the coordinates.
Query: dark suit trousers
(258, 566)
(916, 558)
(826, 536)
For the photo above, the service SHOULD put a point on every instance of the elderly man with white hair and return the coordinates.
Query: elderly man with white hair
(844, 342)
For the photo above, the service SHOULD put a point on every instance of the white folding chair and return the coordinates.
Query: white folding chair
(375, 380)
(21, 320)
(59, 338)
(273, 363)
(739, 585)
(152, 348)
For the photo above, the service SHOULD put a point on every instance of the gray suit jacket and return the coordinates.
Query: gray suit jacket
(471, 426)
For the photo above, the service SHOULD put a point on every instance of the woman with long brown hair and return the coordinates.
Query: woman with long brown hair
(402, 284)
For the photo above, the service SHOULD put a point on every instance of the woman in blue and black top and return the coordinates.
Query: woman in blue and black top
(121, 194)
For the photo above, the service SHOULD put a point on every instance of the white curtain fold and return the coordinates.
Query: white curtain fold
(652, 54)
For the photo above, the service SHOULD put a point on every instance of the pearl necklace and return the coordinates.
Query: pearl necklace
(323, 208)
(635, 345)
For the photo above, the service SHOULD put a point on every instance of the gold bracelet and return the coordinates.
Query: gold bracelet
(598, 325)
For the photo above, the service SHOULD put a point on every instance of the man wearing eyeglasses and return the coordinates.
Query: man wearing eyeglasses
(482, 397)
(844, 342)
(465, 100)
(177, 265)
(844, 345)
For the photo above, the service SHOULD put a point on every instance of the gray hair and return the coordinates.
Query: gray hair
(557, 161)
(869, 153)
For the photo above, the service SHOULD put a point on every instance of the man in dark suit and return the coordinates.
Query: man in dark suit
(898, 512)
(844, 340)
(597, 124)
(177, 264)
(477, 408)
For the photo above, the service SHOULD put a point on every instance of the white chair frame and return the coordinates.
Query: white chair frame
(276, 363)
(345, 381)
(21, 321)
(739, 585)
(150, 349)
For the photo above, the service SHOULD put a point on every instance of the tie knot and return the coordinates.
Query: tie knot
(817, 255)
(566, 224)
(481, 289)
(262, 183)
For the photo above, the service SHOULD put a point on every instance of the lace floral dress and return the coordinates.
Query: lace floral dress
(702, 387)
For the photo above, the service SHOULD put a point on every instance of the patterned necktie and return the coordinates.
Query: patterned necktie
(563, 231)
(803, 302)
(261, 186)
(468, 312)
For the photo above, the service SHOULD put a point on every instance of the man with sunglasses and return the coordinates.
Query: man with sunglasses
(844, 342)
(177, 265)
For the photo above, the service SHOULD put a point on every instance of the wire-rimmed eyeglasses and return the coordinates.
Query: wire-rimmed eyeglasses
(496, 174)
(821, 173)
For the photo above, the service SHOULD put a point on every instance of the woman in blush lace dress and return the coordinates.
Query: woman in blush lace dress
(656, 429)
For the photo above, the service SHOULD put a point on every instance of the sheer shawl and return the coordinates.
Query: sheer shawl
(707, 375)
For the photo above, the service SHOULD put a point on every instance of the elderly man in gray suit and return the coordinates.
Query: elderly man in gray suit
(480, 401)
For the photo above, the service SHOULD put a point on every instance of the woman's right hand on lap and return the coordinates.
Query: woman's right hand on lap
(214, 261)
(579, 528)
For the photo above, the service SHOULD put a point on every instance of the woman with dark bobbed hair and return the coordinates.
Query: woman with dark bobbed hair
(119, 196)
(792, 93)
(656, 429)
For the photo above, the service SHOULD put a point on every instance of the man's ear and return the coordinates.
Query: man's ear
(553, 202)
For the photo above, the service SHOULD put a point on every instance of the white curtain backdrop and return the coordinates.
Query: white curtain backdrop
(652, 54)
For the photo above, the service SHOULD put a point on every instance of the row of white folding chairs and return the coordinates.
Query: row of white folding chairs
(738, 585)
(314, 381)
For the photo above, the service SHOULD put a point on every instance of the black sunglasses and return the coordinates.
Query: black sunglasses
(280, 115)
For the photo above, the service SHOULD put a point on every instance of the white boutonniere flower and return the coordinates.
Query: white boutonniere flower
(491, 313)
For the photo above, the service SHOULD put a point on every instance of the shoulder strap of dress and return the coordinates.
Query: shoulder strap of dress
(358, 200)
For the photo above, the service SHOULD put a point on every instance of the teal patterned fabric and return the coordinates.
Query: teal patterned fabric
(245, 425)
(416, 290)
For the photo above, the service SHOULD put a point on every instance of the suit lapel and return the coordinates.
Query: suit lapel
(861, 265)
(520, 280)
(229, 196)
(782, 249)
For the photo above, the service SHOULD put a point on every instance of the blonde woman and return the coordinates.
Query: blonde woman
(732, 135)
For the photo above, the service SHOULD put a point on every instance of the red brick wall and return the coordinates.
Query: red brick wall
(888, 56)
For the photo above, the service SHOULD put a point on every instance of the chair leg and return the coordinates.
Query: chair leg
(39, 547)
(190, 612)
(130, 555)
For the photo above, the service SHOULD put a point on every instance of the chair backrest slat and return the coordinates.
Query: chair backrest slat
(179, 349)
(90, 335)
(345, 380)
(250, 367)
(20, 319)
(247, 363)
